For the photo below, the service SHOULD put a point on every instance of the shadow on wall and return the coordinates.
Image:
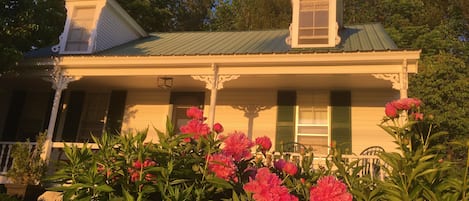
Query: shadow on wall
(251, 111)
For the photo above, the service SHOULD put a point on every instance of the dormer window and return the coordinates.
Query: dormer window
(314, 23)
(79, 30)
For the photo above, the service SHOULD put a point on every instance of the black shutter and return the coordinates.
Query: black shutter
(73, 115)
(115, 113)
(13, 116)
(341, 120)
(286, 101)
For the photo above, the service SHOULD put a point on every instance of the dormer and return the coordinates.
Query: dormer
(315, 23)
(96, 25)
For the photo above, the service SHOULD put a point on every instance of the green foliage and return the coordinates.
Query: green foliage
(28, 167)
(444, 87)
(419, 171)
(5, 197)
(251, 15)
(28, 24)
(169, 15)
(438, 28)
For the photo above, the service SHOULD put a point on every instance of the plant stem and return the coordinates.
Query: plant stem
(464, 184)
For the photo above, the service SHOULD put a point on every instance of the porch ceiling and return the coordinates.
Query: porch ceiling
(181, 83)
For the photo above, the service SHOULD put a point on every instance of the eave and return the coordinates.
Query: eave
(252, 64)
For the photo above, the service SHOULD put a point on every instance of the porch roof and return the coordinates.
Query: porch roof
(366, 37)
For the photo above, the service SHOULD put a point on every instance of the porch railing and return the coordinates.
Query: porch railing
(5, 155)
(318, 161)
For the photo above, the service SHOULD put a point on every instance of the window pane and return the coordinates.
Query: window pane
(80, 29)
(318, 143)
(313, 130)
(313, 23)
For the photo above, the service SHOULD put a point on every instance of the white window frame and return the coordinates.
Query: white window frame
(332, 26)
(328, 124)
(71, 8)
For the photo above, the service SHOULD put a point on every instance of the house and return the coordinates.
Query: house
(317, 83)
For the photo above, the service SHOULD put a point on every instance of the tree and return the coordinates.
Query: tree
(28, 24)
(192, 15)
(152, 15)
(251, 15)
(440, 30)
(169, 15)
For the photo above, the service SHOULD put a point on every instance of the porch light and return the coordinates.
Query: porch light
(165, 82)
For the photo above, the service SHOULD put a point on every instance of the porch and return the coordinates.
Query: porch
(370, 164)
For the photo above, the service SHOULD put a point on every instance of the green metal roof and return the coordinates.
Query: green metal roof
(368, 37)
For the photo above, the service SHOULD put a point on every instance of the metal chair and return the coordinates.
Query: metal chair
(371, 166)
(292, 147)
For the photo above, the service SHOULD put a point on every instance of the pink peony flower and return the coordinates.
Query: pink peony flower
(218, 128)
(195, 127)
(267, 187)
(417, 116)
(149, 163)
(390, 110)
(137, 164)
(290, 168)
(223, 166)
(264, 143)
(406, 103)
(195, 113)
(279, 164)
(329, 189)
(238, 146)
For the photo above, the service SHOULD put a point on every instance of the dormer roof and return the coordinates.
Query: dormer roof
(96, 25)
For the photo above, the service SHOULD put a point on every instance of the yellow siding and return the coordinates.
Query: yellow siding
(146, 109)
(233, 104)
(367, 113)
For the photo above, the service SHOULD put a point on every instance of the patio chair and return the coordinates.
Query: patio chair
(292, 147)
(369, 164)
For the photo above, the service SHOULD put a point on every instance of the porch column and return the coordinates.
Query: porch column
(400, 81)
(213, 83)
(404, 80)
(59, 82)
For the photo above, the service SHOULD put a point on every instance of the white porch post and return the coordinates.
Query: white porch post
(404, 80)
(213, 96)
(59, 83)
(214, 83)
(400, 81)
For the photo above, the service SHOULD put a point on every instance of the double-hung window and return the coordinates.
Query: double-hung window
(312, 120)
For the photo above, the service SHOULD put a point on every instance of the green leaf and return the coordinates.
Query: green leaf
(219, 182)
(104, 188)
(127, 195)
(235, 196)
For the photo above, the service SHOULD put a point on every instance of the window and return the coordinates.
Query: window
(181, 101)
(312, 120)
(314, 23)
(79, 33)
(86, 113)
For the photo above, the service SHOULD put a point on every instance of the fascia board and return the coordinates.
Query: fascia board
(340, 63)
